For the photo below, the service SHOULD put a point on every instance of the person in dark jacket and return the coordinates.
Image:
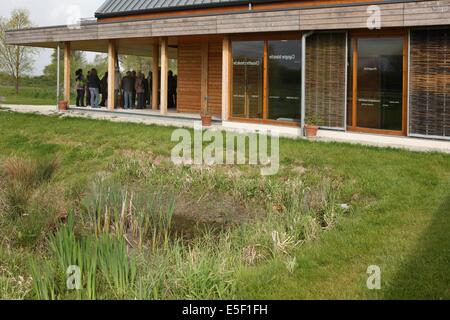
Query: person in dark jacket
(170, 91)
(133, 78)
(127, 87)
(88, 93)
(94, 88)
(104, 89)
(140, 90)
(150, 87)
(80, 87)
(175, 88)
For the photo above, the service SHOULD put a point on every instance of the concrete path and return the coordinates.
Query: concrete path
(188, 120)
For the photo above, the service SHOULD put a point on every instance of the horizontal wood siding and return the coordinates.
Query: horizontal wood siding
(429, 107)
(349, 17)
(421, 13)
(325, 78)
(427, 13)
(215, 78)
(259, 22)
(125, 30)
(189, 77)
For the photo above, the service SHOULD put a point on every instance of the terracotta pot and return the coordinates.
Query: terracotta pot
(311, 131)
(62, 105)
(206, 121)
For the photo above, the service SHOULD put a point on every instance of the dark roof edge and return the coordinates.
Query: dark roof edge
(180, 8)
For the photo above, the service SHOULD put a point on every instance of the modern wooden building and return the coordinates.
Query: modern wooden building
(281, 62)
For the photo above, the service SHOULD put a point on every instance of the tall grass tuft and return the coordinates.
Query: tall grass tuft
(29, 172)
(138, 215)
(44, 284)
(21, 177)
(69, 251)
(64, 245)
(116, 266)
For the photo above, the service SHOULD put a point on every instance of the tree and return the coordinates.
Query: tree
(100, 63)
(78, 61)
(15, 60)
(135, 63)
(143, 64)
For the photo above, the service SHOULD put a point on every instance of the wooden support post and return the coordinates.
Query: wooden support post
(164, 74)
(67, 60)
(226, 65)
(204, 78)
(155, 76)
(111, 74)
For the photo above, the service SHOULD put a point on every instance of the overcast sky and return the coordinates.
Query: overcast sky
(48, 13)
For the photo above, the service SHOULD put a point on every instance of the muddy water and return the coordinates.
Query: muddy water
(188, 228)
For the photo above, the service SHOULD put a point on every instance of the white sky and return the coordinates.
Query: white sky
(48, 13)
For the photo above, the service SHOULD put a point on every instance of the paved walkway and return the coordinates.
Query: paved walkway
(188, 120)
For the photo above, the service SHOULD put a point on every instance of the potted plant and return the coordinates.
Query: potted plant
(312, 124)
(62, 105)
(206, 114)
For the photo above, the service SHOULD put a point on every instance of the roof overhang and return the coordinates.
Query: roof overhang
(137, 36)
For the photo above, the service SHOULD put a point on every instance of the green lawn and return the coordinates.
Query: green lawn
(29, 95)
(398, 218)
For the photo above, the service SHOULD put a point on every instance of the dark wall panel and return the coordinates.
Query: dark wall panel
(429, 106)
(325, 78)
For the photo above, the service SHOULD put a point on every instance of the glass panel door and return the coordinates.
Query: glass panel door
(284, 80)
(248, 71)
(379, 102)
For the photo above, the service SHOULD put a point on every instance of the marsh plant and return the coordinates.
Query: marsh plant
(134, 214)
(123, 231)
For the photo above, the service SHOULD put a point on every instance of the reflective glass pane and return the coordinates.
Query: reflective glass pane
(284, 80)
(248, 68)
(380, 83)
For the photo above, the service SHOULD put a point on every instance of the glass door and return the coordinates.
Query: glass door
(248, 76)
(284, 80)
(378, 84)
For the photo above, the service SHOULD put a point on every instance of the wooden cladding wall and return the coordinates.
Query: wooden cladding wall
(215, 78)
(325, 78)
(190, 77)
(429, 106)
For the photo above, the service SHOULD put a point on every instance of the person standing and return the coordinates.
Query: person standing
(127, 87)
(175, 88)
(146, 91)
(104, 89)
(133, 79)
(94, 88)
(117, 89)
(80, 87)
(88, 93)
(140, 90)
(170, 101)
(150, 87)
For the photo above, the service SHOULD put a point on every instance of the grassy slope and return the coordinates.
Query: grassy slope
(400, 221)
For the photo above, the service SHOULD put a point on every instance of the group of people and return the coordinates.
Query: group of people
(132, 91)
